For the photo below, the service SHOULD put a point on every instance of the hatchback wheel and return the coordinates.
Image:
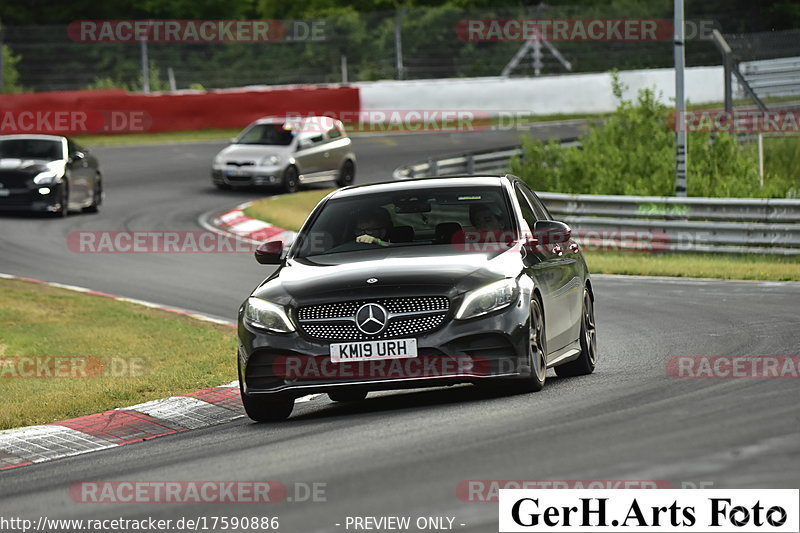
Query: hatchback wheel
(347, 174)
(291, 179)
(586, 361)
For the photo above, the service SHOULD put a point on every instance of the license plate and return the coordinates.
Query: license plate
(235, 173)
(373, 350)
(4, 192)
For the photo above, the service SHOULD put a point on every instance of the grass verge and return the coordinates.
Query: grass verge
(724, 266)
(289, 211)
(121, 354)
(124, 139)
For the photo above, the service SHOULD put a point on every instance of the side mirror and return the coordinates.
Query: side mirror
(551, 232)
(232, 140)
(77, 155)
(269, 253)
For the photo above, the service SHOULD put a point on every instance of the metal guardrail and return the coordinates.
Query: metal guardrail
(773, 77)
(656, 223)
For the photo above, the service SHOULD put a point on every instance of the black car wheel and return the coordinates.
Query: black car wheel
(63, 210)
(223, 186)
(347, 174)
(267, 409)
(537, 353)
(291, 181)
(97, 196)
(347, 395)
(587, 360)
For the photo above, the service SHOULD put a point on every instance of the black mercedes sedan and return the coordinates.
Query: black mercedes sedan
(417, 283)
(48, 173)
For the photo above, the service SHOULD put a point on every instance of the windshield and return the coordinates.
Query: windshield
(272, 134)
(43, 149)
(440, 216)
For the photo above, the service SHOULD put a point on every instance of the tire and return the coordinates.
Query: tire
(587, 360)
(347, 174)
(267, 409)
(537, 351)
(223, 186)
(347, 395)
(97, 196)
(64, 210)
(291, 179)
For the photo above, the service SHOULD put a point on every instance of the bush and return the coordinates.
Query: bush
(10, 73)
(633, 153)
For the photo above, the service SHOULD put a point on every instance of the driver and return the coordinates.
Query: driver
(372, 226)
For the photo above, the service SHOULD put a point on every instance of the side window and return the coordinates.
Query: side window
(334, 133)
(538, 207)
(307, 140)
(525, 206)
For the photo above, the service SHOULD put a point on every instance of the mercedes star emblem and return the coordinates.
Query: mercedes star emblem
(372, 280)
(371, 318)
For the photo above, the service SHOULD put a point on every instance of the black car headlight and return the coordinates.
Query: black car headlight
(48, 177)
(267, 315)
(488, 298)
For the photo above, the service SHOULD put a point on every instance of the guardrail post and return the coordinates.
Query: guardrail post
(470, 164)
(433, 168)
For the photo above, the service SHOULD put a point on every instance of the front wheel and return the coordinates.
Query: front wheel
(63, 209)
(97, 196)
(587, 360)
(291, 179)
(347, 174)
(267, 409)
(537, 352)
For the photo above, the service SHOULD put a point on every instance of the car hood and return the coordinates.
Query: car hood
(34, 166)
(417, 270)
(254, 151)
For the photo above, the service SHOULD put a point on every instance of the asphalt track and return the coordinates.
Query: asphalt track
(405, 453)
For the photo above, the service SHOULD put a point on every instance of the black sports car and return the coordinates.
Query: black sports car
(48, 173)
(417, 283)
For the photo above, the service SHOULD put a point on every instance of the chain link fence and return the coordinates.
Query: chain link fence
(400, 44)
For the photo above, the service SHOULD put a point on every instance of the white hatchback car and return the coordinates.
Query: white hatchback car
(286, 153)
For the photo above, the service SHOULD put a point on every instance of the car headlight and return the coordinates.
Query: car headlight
(48, 177)
(267, 315)
(489, 298)
(270, 160)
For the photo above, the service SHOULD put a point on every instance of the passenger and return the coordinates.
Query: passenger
(483, 218)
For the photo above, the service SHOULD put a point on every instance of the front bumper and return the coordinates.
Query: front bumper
(244, 176)
(32, 200)
(293, 365)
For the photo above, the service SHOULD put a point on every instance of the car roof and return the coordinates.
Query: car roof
(459, 180)
(33, 137)
(280, 119)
